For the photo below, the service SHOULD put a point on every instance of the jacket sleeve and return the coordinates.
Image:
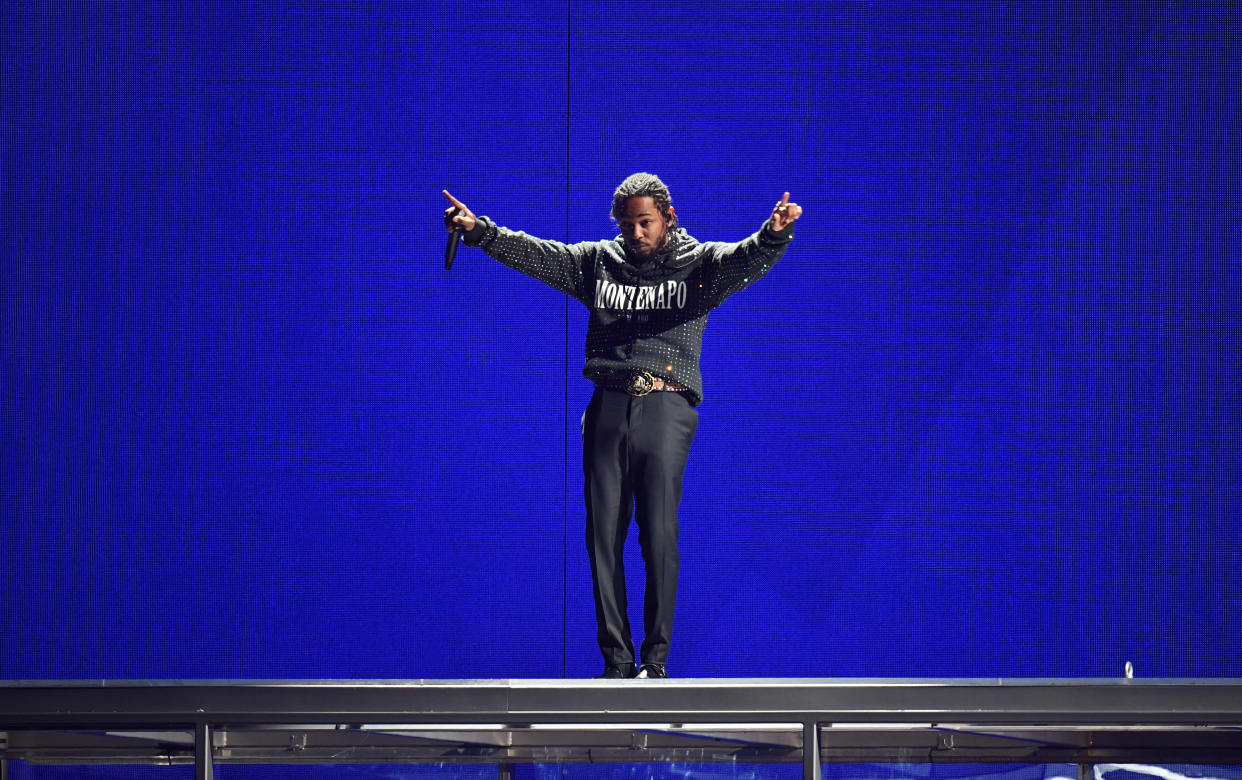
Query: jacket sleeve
(730, 268)
(560, 266)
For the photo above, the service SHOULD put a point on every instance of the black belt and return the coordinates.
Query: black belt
(640, 383)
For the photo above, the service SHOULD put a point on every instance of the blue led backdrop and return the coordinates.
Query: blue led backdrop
(983, 419)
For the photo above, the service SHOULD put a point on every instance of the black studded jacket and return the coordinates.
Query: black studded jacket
(645, 315)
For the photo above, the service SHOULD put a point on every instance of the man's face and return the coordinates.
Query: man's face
(643, 226)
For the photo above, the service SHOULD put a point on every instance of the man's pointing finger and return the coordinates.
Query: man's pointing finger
(456, 202)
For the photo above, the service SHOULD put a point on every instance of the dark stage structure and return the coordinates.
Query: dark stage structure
(508, 722)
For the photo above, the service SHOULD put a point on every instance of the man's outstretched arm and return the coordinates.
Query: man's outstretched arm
(737, 266)
(551, 262)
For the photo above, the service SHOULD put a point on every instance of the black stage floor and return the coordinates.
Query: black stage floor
(506, 722)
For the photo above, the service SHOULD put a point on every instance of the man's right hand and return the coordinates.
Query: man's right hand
(458, 216)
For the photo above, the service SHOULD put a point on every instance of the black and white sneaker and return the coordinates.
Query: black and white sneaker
(652, 672)
(617, 672)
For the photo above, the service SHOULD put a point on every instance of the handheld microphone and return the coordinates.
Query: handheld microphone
(454, 239)
(451, 250)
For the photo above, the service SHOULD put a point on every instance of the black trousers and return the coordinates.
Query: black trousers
(634, 452)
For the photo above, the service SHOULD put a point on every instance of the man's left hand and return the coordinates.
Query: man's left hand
(784, 214)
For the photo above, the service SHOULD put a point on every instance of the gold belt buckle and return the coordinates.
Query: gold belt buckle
(640, 383)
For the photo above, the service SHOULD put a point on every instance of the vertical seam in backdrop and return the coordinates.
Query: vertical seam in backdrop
(565, 369)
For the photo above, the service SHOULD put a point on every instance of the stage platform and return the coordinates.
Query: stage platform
(507, 722)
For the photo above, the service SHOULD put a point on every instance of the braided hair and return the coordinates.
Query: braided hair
(644, 185)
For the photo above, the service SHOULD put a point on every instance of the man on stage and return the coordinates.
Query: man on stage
(649, 292)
